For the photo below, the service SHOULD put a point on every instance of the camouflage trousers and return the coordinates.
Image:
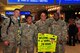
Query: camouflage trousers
(12, 48)
(60, 48)
(28, 49)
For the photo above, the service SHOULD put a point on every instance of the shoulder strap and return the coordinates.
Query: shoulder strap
(9, 24)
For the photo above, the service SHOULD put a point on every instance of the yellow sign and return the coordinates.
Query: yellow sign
(47, 42)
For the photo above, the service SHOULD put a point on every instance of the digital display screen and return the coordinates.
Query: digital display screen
(72, 2)
(31, 2)
(21, 13)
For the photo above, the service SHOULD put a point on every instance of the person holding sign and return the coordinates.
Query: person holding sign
(42, 24)
(29, 36)
(58, 27)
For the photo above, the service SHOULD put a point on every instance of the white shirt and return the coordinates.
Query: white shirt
(78, 23)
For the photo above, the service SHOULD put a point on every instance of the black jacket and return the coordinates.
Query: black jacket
(73, 30)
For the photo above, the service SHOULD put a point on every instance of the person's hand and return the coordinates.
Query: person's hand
(60, 41)
(6, 43)
(67, 38)
(42, 32)
(52, 40)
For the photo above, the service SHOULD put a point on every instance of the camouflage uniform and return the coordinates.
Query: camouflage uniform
(28, 38)
(42, 26)
(11, 36)
(59, 28)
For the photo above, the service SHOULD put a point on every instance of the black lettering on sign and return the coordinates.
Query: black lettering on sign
(52, 38)
(42, 43)
(47, 43)
(46, 40)
(38, 40)
(40, 37)
(41, 40)
(43, 37)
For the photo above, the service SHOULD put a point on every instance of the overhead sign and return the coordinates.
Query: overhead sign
(25, 12)
(31, 2)
(9, 12)
(68, 2)
(47, 42)
(22, 12)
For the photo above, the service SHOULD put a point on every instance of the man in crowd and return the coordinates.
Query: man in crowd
(58, 28)
(10, 32)
(29, 36)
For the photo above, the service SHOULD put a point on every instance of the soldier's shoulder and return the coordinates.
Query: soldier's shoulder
(49, 19)
(62, 21)
(6, 20)
(23, 24)
(34, 25)
(37, 22)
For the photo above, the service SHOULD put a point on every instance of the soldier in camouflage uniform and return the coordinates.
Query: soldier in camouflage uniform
(29, 36)
(10, 35)
(43, 23)
(58, 27)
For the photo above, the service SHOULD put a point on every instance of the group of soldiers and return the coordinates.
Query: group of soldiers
(25, 35)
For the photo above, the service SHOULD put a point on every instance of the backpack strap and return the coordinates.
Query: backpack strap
(9, 25)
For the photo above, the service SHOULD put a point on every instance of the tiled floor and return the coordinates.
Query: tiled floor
(69, 49)
(72, 49)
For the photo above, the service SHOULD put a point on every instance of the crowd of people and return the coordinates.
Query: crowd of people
(24, 35)
(73, 31)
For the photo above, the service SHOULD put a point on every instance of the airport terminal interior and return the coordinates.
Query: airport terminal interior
(66, 11)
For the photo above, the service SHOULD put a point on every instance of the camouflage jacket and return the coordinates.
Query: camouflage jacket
(59, 28)
(29, 34)
(13, 33)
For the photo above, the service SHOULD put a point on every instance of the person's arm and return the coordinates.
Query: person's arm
(37, 25)
(64, 32)
(5, 24)
(35, 35)
(49, 22)
(76, 29)
(4, 35)
(51, 29)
